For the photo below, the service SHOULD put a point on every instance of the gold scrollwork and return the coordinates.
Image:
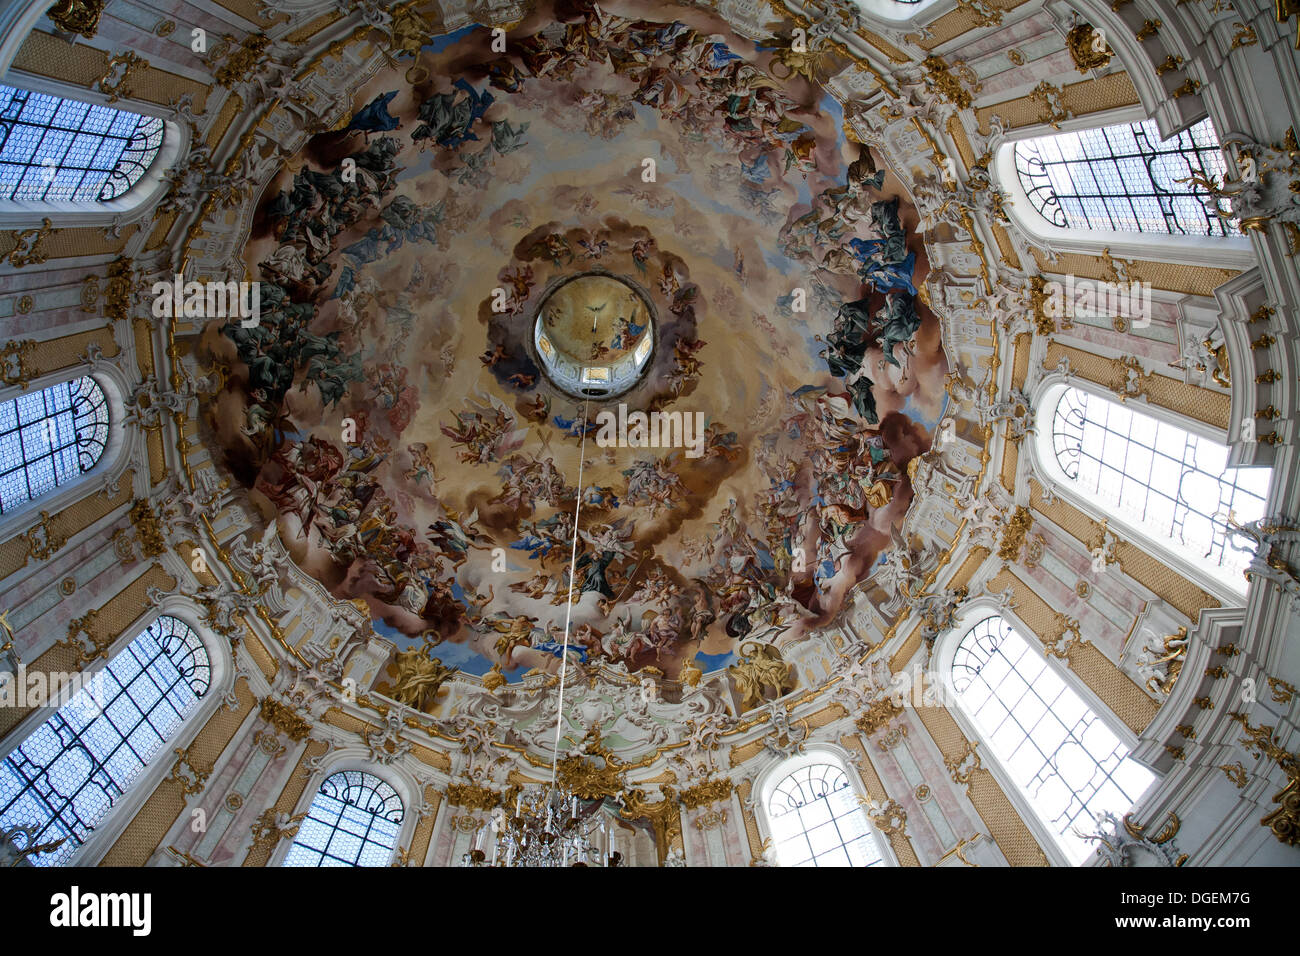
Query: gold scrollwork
(889, 818)
(1088, 48)
(191, 778)
(77, 16)
(13, 363)
(148, 528)
(1167, 832)
(42, 540)
(116, 80)
(1282, 691)
(1236, 773)
(878, 716)
(282, 717)
(962, 765)
(710, 791)
(1051, 105)
(472, 797)
(1013, 535)
(28, 243)
(1285, 820)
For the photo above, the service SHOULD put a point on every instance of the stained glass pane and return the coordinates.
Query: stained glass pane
(354, 820)
(1126, 178)
(59, 149)
(61, 781)
(1175, 485)
(816, 820)
(1068, 762)
(50, 437)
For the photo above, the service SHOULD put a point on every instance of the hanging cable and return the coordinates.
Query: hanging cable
(568, 605)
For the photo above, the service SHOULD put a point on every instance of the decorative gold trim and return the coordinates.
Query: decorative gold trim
(77, 16)
(710, 791)
(27, 249)
(283, 719)
(1088, 48)
(42, 539)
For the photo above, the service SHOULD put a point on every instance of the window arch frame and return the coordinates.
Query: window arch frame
(779, 768)
(358, 759)
(119, 449)
(1218, 251)
(222, 678)
(137, 202)
(939, 672)
(1050, 476)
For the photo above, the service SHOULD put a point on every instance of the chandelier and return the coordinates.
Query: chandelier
(547, 828)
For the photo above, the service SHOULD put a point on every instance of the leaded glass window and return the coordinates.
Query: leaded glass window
(50, 437)
(65, 777)
(817, 820)
(53, 148)
(1172, 484)
(1066, 760)
(1125, 178)
(354, 820)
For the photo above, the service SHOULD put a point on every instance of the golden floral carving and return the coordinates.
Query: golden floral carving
(116, 80)
(77, 16)
(42, 540)
(27, 249)
(147, 528)
(283, 719)
(1285, 820)
(1051, 105)
(1013, 535)
(951, 82)
(710, 791)
(878, 716)
(472, 796)
(890, 818)
(1088, 48)
(591, 779)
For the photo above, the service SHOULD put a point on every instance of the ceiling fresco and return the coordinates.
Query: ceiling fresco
(617, 180)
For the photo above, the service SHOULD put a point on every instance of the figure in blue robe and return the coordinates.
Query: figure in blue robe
(374, 116)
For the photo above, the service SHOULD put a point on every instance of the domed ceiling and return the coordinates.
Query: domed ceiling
(659, 198)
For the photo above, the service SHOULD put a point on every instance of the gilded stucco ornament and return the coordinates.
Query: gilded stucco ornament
(1161, 661)
(1264, 188)
(28, 245)
(43, 540)
(284, 719)
(1262, 540)
(1125, 843)
(272, 827)
(889, 818)
(710, 791)
(1261, 741)
(77, 16)
(1088, 48)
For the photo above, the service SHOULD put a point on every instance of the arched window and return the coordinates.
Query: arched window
(48, 438)
(64, 778)
(818, 820)
(1170, 483)
(354, 820)
(56, 149)
(1064, 758)
(1125, 178)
